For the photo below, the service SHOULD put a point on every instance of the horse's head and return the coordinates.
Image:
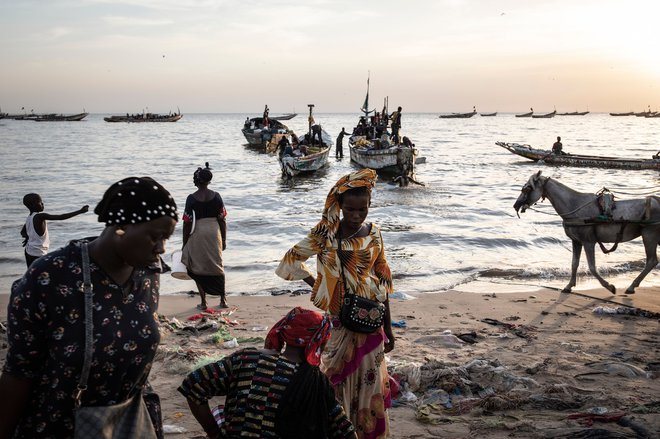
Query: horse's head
(531, 192)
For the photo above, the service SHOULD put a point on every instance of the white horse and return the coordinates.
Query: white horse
(586, 224)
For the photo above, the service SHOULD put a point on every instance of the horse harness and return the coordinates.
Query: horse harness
(606, 204)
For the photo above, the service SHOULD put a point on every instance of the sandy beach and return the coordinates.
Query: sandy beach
(536, 364)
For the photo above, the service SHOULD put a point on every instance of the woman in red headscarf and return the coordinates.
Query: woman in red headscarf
(275, 392)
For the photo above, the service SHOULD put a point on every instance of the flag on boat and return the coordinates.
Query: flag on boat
(365, 106)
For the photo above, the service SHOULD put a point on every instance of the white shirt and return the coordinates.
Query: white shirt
(37, 245)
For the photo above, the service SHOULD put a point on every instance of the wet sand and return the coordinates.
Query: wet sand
(542, 365)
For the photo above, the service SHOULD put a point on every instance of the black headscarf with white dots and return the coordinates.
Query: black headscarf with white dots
(135, 200)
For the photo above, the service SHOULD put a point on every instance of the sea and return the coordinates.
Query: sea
(458, 231)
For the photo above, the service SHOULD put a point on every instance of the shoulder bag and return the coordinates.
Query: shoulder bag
(359, 314)
(128, 419)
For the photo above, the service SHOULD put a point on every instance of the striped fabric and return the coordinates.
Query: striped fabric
(254, 382)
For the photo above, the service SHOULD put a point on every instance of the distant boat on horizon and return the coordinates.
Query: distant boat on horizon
(574, 113)
(459, 115)
(629, 113)
(531, 111)
(544, 116)
(488, 114)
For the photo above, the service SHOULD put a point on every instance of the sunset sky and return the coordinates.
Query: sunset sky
(230, 56)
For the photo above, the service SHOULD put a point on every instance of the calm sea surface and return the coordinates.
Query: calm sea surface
(458, 229)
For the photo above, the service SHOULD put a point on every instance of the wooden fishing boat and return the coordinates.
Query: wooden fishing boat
(629, 113)
(372, 146)
(655, 114)
(488, 114)
(61, 117)
(30, 116)
(145, 117)
(316, 158)
(288, 116)
(573, 113)
(526, 114)
(544, 116)
(548, 157)
(459, 115)
(258, 135)
(293, 161)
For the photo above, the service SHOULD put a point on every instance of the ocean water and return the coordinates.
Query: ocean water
(457, 230)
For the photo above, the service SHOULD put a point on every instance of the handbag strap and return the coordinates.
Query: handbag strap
(341, 268)
(89, 326)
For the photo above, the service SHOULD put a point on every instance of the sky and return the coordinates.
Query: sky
(229, 56)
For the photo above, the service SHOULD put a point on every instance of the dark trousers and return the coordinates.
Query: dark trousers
(339, 150)
(29, 259)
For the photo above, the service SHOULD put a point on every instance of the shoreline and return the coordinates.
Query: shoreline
(549, 356)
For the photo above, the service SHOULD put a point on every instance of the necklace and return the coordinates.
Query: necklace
(354, 233)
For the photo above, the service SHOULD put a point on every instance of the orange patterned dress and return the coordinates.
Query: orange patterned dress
(354, 362)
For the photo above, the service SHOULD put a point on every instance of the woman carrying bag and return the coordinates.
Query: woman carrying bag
(352, 285)
(82, 327)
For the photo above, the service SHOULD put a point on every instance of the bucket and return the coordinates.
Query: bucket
(179, 270)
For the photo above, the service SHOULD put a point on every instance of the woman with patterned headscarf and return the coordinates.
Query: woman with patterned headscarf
(47, 316)
(205, 238)
(276, 392)
(354, 362)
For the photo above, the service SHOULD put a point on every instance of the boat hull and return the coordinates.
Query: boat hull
(284, 116)
(61, 118)
(548, 157)
(257, 136)
(544, 116)
(293, 166)
(396, 159)
(155, 118)
(457, 115)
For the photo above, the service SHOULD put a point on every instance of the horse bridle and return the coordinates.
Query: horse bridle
(527, 188)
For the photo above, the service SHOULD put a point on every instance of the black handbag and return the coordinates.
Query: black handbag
(358, 313)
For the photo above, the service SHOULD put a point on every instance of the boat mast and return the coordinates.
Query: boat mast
(365, 106)
(309, 122)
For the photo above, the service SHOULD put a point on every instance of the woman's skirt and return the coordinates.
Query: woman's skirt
(355, 365)
(202, 256)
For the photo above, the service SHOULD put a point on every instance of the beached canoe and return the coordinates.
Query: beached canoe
(548, 157)
(144, 117)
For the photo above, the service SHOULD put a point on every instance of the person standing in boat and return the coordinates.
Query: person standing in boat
(396, 125)
(339, 147)
(557, 146)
